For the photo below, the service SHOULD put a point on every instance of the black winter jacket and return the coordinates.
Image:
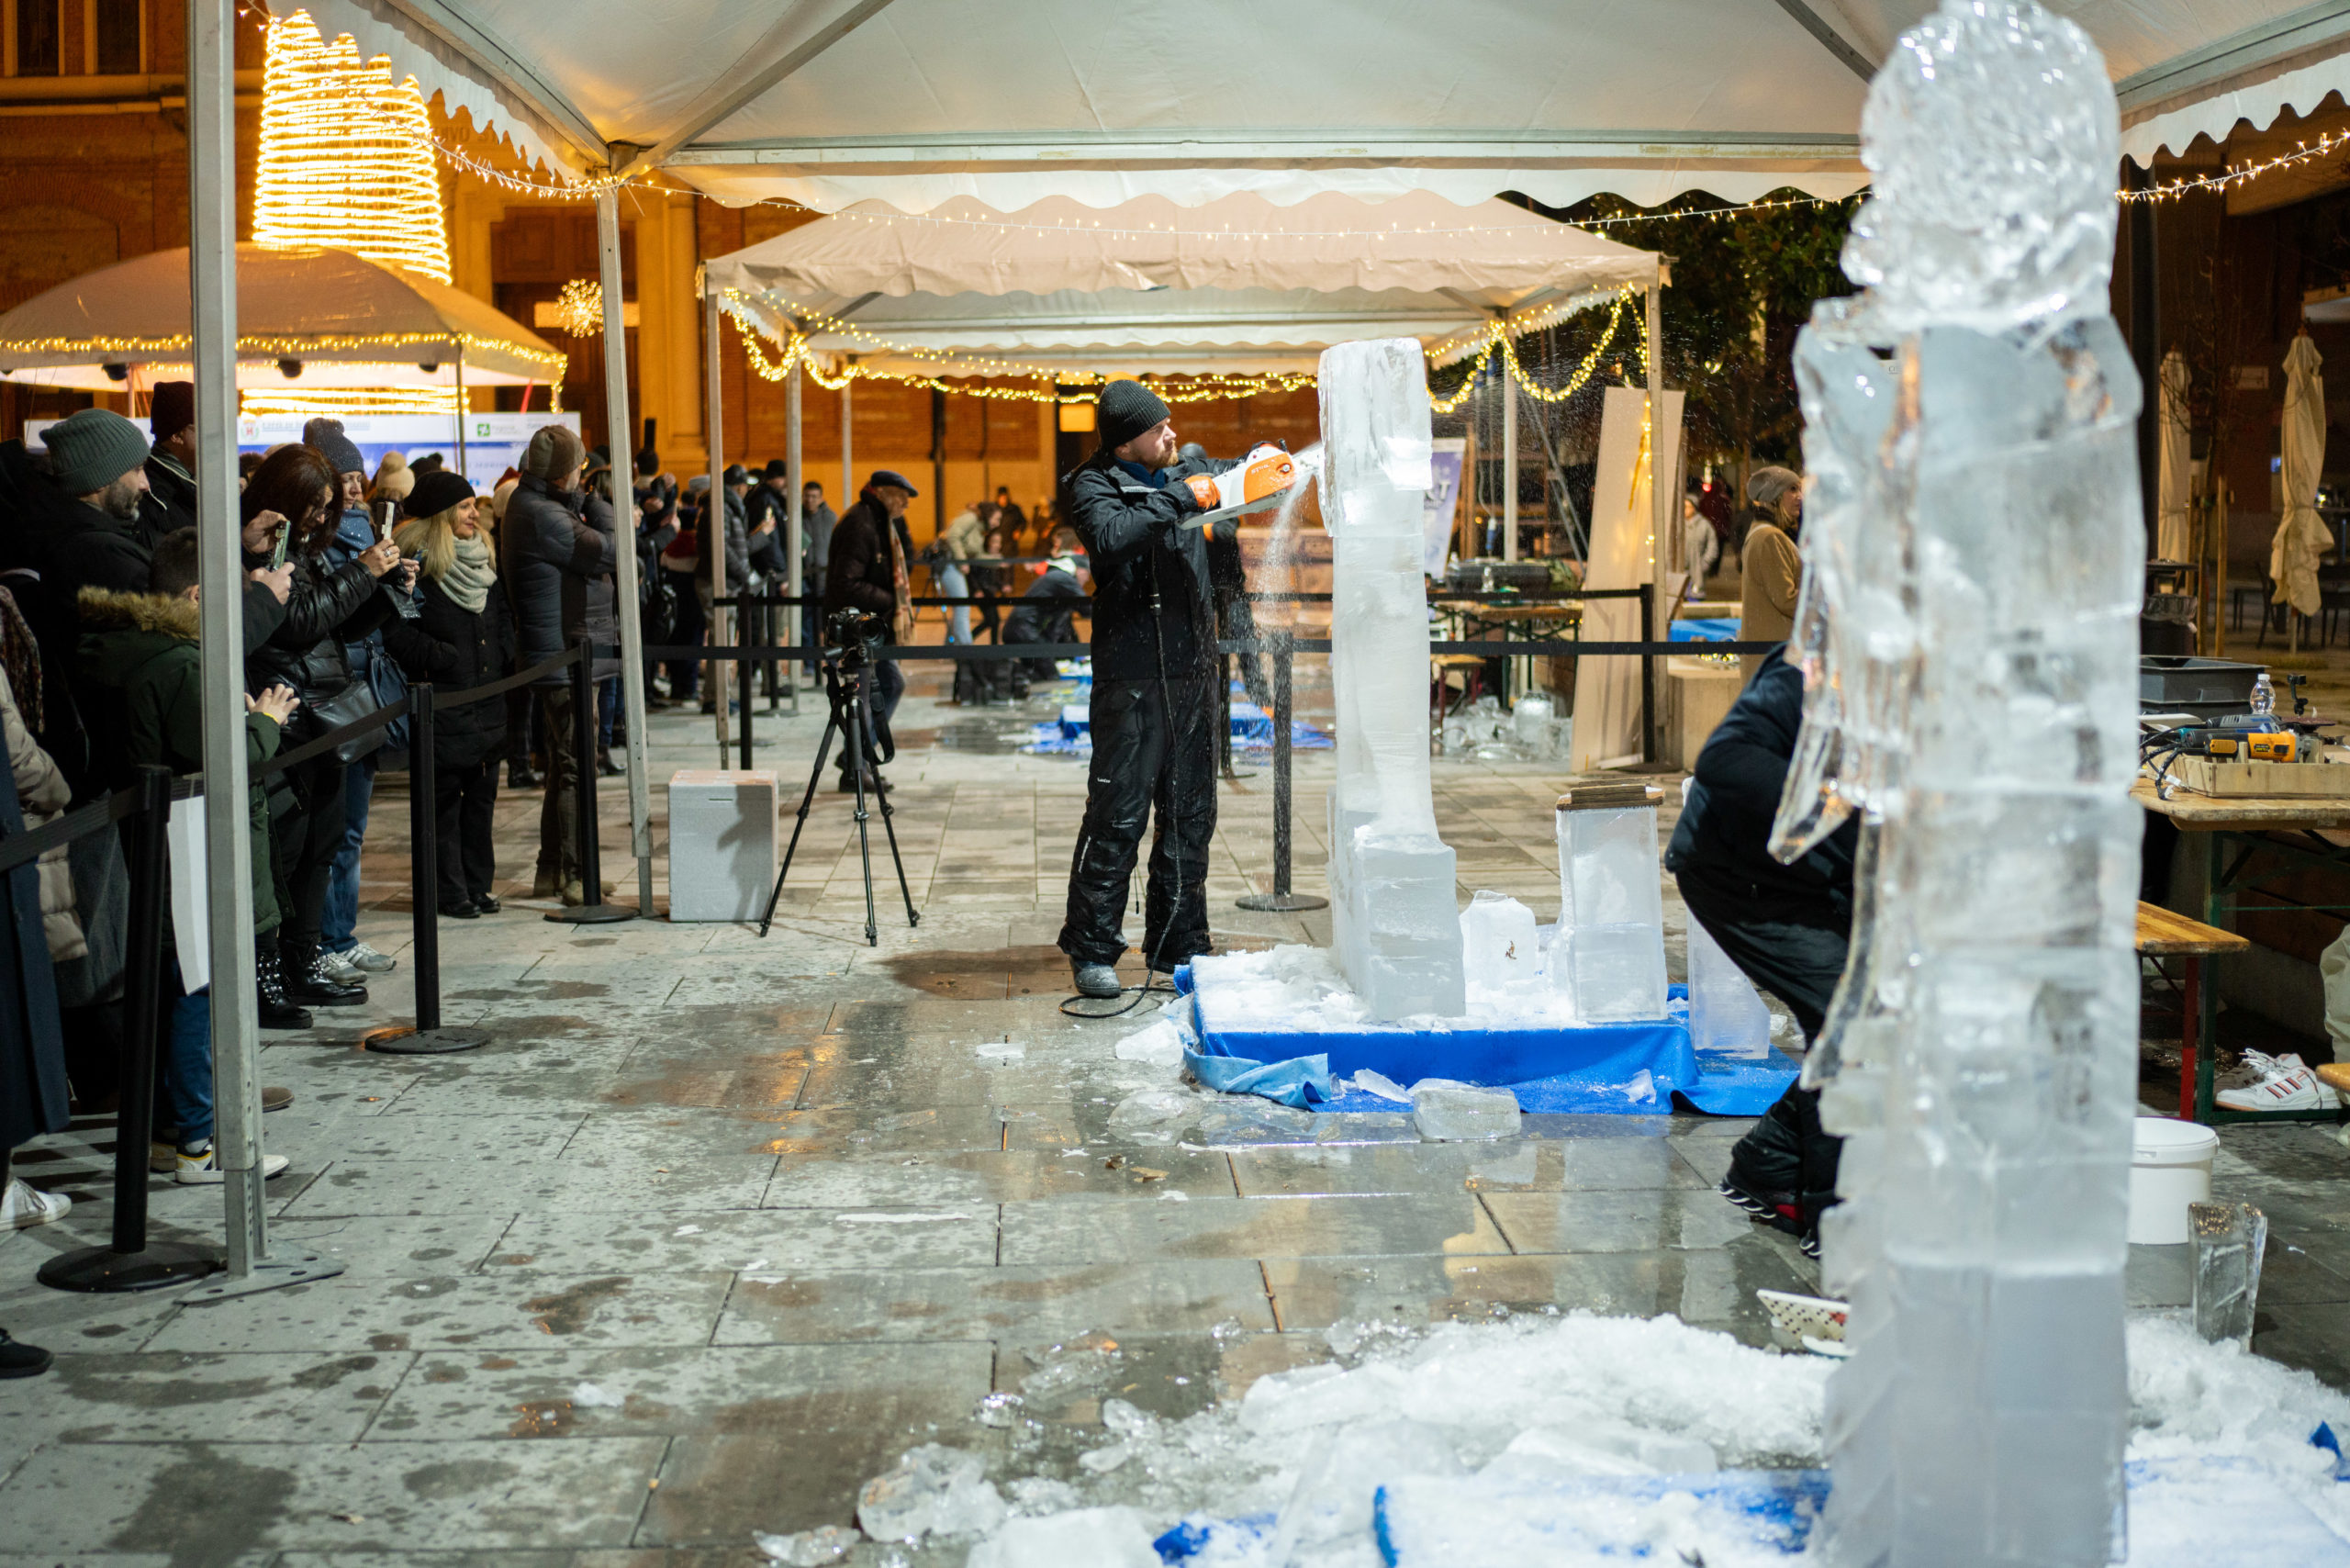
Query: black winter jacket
(1725, 828)
(1138, 550)
(324, 610)
(458, 649)
(863, 571)
(1047, 611)
(559, 549)
(169, 504)
(738, 546)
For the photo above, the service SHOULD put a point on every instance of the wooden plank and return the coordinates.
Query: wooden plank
(2165, 933)
(2202, 813)
(2260, 780)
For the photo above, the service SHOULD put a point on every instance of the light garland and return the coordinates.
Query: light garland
(345, 157)
(339, 401)
(2243, 174)
(1499, 340)
(302, 347)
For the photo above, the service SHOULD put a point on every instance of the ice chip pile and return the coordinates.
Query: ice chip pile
(933, 1490)
(1392, 912)
(1968, 632)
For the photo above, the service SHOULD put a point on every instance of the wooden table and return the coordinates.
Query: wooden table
(2234, 831)
(1540, 622)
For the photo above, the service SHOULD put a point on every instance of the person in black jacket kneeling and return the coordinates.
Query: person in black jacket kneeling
(1786, 926)
(463, 637)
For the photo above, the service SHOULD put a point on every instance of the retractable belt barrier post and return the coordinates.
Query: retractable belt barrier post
(1281, 899)
(592, 909)
(744, 670)
(128, 1262)
(426, 1037)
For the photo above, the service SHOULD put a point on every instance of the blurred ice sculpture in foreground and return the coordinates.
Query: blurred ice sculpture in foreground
(1968, 634)
(1397, 928)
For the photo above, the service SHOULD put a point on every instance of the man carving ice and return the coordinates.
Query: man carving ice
(1153, 691)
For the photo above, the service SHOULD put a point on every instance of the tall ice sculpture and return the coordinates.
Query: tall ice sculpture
(1968, 632)
(1392, 905)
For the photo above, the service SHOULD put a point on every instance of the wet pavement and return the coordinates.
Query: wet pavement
(717, 1225)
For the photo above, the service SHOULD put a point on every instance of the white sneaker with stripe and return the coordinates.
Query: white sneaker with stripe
(2284, 1083)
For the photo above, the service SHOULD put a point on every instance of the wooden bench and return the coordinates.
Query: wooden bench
(2163, 933)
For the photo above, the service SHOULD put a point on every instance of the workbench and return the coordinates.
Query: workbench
(2232, 830)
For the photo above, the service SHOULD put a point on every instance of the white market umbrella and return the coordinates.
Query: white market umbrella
(2302, 537)
(2174, 531)
(332, 317)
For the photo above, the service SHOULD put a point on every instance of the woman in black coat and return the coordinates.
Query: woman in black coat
(463, 637)
(296, 489)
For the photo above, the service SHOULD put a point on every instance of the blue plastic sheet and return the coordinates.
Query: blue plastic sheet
(1704, 629)
(1590, 1069)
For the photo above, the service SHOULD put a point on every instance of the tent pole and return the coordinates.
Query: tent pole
(795, 524)
(1660, 496)
(221, 570)
(713, 511)
(624, 518)
(848, 464)
(461, 415)
(1509, 462)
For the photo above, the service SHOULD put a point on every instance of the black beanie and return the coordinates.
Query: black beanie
(437, 489)
(1128, 408)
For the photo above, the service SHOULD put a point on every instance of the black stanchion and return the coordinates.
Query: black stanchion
(1281, 899)
(128, 1262)
(427, 1037)
(1648, 680)
(594, 911)
(743, 668)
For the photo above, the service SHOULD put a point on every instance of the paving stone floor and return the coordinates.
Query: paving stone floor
(717, 1225)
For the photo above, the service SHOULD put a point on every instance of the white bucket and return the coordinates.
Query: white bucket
(2170, 1166)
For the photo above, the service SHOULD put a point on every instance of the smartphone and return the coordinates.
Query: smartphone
(387, 514)
(278, 554)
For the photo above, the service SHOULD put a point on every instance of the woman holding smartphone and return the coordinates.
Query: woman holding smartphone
(296, 496)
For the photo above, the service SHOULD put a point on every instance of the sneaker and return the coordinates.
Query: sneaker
(163, 1155)
(1094, 979)
(22, 1207)
(2284, 1083)
(19, 1360)
(368, 961)
(338, 967)
(1809, 1245)
(199, 1166)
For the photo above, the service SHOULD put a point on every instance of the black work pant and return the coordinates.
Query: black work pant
(464, 800)
(1789, 1153)
(305, 840)
(1154, 761)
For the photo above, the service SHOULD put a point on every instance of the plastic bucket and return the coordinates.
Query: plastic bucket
(2170, 1166)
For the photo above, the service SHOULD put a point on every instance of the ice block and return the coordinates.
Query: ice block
(1609, 950)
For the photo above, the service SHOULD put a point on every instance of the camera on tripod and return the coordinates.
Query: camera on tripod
(855, 632)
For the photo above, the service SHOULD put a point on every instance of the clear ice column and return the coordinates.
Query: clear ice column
(1981, 1419)
(1391, 878)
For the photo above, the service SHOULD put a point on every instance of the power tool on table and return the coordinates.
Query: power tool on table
(2256, 736)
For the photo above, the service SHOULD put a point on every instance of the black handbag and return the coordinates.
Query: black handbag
(355, 702)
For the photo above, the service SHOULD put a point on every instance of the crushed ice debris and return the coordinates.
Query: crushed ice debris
(1102, 1461)
(930, 1490)
(893, 1218)
(1639, 1088)
(592, 1398)
(1379, 1083)
(1159, 1044)
(687, 1230)
(1457, 1113)
(1153, 1115)
(810, 1547)
(1173, 1196)
(1001, 1050)
(1531, 1401)
(998, 1409)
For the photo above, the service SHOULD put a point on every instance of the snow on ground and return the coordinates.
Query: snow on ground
(1526, 1401)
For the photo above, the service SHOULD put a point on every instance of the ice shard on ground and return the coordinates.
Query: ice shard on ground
(1969, 637)
(1396, 925)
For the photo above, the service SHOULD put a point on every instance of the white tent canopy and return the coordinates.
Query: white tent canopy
(337, 318)
(1150, 286)
(915, 102)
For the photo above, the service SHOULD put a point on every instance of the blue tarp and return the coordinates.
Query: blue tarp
(1589, 1068)
(1704, 629)
(1252, 730)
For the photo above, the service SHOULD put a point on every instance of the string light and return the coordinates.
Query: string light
(256, 347)
(345, 157)
(1499, 340)
(334, 404)
(2242, 174)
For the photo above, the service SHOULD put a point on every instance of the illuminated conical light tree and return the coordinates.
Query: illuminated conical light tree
(346, 164)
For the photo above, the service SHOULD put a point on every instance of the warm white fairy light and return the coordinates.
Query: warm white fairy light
(579, 309)
(339, 402)
(346, 157)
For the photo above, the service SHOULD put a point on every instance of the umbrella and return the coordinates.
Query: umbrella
(2302, 537)
(2173, 540)
(327, 318)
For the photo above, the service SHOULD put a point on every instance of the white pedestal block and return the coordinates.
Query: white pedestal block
(723, 843)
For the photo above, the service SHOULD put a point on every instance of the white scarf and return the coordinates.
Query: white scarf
(467, 580)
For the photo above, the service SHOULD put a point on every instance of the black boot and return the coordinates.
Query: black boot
(275, 1012)
(306, 980)
(606, 765)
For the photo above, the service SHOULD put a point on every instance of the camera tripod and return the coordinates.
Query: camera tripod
(844, 677)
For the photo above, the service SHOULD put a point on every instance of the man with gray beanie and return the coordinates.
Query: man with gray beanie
(561, 546)
(1773, 569)
(1155, 704)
